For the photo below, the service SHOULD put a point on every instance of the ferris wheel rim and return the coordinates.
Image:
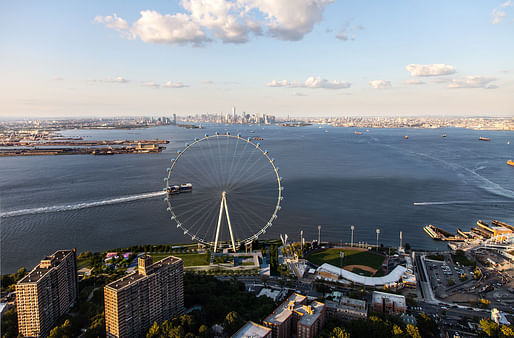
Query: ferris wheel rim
(227, 135)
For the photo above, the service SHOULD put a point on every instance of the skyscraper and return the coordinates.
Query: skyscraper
(153, 293)
(46, 293)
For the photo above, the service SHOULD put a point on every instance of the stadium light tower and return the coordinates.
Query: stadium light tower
(378, 233)
(353, 228)
(319, 234)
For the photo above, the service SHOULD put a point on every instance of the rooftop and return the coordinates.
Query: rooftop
(378, 296)
(47, 264)
(135, 276)
(310, 313)
(253, 330)
(283, 312)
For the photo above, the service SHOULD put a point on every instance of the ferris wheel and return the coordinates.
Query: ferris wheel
(223, 188)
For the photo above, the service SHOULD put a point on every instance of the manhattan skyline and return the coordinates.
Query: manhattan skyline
(304, 58)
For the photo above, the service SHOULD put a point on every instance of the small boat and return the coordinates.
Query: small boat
(358, 133)
(510, 162)
(258, 138)
(484, 139)
(406, 137)
(444, 135)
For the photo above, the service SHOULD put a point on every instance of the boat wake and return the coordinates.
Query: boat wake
(460, 202)
(83, 205)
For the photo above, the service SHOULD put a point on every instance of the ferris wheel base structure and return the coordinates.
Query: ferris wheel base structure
(223, 206)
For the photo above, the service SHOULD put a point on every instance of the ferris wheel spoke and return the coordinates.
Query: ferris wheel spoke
(247, 149)
(234, 154)
(249, 216)
(204, 222)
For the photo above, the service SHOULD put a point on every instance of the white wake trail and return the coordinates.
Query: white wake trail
(460, 202)
(83, 205)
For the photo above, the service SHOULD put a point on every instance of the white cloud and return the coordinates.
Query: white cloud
(499, 12)
(299, 94)
(208, 82)
(275, 83)
(430, 70)
(118, 79)
(414, 82)
(57, 78)
(344, 33)
(289, 19)
(380, 84)
(150, 84)
(311, 83)
(171, 84)
(473, 82)
(228, 21)
(179, 28)
(113, 22)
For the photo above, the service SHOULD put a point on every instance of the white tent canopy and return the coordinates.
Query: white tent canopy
(392, 277)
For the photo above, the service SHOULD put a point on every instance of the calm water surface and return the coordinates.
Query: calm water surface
(334, 178)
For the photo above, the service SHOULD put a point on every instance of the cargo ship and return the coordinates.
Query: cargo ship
(178, 189)
(484, 139)
(510, 162)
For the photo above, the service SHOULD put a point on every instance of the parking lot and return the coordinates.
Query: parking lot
(444, 275)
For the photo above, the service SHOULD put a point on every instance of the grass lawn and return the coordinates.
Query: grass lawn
(462, 259)
(351, 257)
(83, 263)
(189, 259)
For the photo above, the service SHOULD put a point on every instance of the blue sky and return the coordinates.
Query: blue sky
(299, 57)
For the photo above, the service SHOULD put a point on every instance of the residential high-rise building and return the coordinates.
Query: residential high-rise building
(46, 293)
(153, 293)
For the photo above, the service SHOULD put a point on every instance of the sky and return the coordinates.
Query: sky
(298, 57)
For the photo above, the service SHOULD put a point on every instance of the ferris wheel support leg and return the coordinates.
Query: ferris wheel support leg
(229, 225)
(219, 224)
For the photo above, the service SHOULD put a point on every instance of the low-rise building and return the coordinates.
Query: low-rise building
(295, 317)
(253, 330)
(346, 308)
(388, 303)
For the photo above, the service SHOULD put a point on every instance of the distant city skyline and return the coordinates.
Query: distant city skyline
(317, 58)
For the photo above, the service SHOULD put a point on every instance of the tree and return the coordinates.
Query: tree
(397, 331)
(507, 331)
(10, 323)
(413, 331)
(427, 325)
(489, 327)
(154, 331)
(203, 331)
(232, 322)
(63, 331)
(338, 332)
